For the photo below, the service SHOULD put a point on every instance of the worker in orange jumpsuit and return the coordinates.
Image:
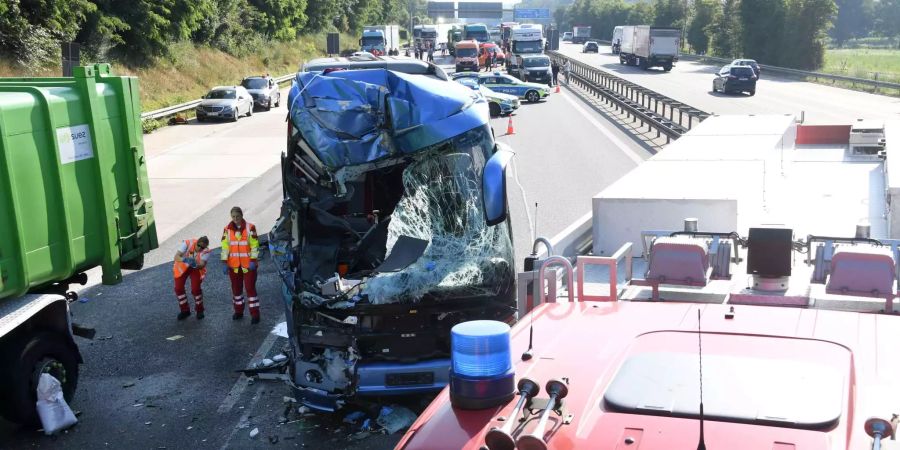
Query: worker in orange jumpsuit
(190, 262)
(240, 252)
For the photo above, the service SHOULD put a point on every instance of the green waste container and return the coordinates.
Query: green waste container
(74, 192)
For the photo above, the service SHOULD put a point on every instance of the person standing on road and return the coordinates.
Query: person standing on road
(554, 68)
(240, 252)
(431, 53)
(190, 262)
(566, 70)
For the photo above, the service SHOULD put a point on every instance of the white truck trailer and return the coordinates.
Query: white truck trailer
(646, 46)
(525, 39)
(581, 34)
(380, 38)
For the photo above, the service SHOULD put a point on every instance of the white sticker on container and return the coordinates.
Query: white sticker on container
(74, 143)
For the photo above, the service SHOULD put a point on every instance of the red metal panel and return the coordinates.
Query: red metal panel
(823, 134)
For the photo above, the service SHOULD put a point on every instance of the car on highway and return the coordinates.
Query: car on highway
(590, 47)
(531, 92)
(264, 91)
(535, 69)
(567, 36)
(396, 63)
(731, 79)
(225, 102)
(499, 103)
(748, 62)
(458, 75)
(491, 48)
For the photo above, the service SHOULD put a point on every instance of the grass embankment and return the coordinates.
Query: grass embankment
(189, 70)
(864, 63)
(869, 63)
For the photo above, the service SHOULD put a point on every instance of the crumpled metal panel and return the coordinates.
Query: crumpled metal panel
(358, 116)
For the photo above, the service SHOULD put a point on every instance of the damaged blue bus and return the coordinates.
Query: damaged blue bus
(393, 229)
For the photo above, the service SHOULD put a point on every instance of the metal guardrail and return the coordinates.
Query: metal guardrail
(666, 115)
(186, 106)
(874, 84)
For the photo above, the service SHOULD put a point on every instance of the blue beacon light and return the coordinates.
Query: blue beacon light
(481, 372)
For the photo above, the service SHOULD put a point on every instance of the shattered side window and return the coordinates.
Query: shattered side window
(442, 204)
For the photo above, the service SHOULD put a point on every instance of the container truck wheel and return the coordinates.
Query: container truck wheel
(667, 67)
(47, 352)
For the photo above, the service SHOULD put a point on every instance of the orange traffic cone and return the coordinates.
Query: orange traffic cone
(557, 88)
(509, 126)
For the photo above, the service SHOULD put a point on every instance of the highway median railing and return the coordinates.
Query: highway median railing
(187, 106)
(666, 115)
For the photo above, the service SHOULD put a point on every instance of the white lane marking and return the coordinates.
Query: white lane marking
(609, 135)
(245, 418)
(241, 384)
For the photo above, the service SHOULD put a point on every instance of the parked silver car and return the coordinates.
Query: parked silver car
(225, 102)
(264, 90)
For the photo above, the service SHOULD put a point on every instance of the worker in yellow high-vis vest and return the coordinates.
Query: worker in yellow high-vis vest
(240, 253)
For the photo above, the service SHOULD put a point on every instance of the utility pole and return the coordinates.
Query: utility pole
(409, 33)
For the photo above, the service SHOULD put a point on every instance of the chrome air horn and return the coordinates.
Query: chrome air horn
(501, 438)
(558, 390)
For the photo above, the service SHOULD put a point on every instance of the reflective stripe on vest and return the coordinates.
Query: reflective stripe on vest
(179, 268)
(239, 247)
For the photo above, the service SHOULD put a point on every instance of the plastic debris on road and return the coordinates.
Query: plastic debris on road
(280, 330)
(354, 417)
(395, 418)
(52, 408)
(253, 433)
(174, 338)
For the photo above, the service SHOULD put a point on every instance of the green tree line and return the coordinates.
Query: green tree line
(791, 33)
(137, 31)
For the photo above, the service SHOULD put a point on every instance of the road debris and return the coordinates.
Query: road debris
(128, 384)
(253, 433)
(354, 417)
(273, 439)
(52, 408)
(174, 338)
(395, 418)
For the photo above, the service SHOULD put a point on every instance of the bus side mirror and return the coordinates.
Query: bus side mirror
(493, 186)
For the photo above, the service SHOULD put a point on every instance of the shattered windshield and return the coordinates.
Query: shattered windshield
(442, 204)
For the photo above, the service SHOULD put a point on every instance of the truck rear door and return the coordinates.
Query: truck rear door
(664, 42)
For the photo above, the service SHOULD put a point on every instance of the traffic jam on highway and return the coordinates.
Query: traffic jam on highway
(731, 289)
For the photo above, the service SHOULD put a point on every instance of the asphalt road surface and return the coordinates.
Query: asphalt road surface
(150, 381)
(691, 82)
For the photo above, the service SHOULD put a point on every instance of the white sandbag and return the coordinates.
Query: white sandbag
(52, 408)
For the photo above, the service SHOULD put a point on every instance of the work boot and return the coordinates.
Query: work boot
(237, 316)
(200, 315)
(254, 319)
(184, 315)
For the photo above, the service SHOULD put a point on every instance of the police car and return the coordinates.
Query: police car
(500, 104)
(506, 84)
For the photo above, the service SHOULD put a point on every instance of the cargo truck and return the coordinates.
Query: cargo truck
(476, 31)
(393, 227)
(74, 195)
(525, 39)
(581, 34)
(429, 36)
(645, 46)
(454, 35)
(378, 39)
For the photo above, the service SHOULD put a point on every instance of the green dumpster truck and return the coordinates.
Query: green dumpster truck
(74, 195)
